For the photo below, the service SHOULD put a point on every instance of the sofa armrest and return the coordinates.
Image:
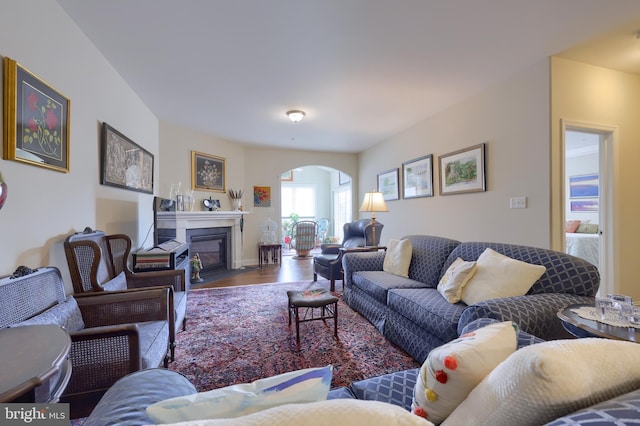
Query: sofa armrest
(535, 313)
(330, 248)
(361, 261)
(125, 306)
(101, 355)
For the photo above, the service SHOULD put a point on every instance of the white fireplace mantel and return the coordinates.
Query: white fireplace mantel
(213, 219)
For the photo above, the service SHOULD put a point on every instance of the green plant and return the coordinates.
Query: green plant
(287, 225)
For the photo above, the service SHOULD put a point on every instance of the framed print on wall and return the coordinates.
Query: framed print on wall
(36, 120)
(125, 164)
(417, 177)
(462, 171)
(262, 196)
(584, 186)
(207, 172)
(388, 184)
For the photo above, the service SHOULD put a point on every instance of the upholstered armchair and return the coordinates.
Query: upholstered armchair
(356, 234)
(304, 237)
(323, 228)
(99, 262)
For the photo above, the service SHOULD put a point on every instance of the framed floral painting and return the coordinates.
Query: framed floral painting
(262, 196)
(36, 120)
(207, 172)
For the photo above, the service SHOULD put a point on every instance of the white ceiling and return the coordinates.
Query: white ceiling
(363, 70)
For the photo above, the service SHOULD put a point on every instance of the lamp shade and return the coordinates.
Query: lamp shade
(373, 202)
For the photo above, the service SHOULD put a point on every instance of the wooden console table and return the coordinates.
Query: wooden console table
(265, 249)
(35, 365)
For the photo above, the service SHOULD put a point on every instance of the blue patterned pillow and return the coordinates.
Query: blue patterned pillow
(65, 314)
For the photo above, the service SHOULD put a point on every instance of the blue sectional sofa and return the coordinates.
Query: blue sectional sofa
(125, 403)
(411, 313)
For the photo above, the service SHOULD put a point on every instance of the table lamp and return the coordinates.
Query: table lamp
(373, 202)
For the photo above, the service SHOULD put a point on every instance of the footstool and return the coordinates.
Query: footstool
(311, 300)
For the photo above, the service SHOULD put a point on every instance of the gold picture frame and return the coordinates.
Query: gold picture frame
(207, 172)
(36, 120)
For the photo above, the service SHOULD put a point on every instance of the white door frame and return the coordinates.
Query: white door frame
(608, 152)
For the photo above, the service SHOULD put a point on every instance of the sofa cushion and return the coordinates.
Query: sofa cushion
(452, 370)
(428, 310)
(551, 379)
(499, 276)
(119, 282)
(350, 412)
(453, 281)
(308, 385)
(154, 336)
(66, 314)
(428, 254)
(378, 283)
(398, 257)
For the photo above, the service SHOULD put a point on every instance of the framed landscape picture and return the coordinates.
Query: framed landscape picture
(462, 171)
(417, 177)
(388, 184)
(125, 164)
(207, 172)
(584, 186)
(36, 120)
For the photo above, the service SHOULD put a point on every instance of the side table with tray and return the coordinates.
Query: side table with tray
(580, 326)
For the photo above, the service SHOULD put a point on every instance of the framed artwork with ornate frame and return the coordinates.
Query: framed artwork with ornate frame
(125, 164)
(417, 177)
(36, 120)
(207, 172)
(462, 171)
(388, 184)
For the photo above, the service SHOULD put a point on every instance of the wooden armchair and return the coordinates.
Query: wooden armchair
(112, 333)
(99, 262)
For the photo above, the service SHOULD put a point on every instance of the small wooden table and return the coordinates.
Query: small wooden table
(594, 328)
(35, 365)
(265, 249)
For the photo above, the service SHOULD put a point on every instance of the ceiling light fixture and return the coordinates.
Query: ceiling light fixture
(295, 115)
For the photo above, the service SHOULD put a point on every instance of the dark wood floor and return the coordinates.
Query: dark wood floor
(292, 269)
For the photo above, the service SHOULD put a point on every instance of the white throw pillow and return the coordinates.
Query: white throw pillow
(308, 385)
(545, 381)
(351, 412)
(452, 370)
(398, 257)
(453, 281)
(500, 276)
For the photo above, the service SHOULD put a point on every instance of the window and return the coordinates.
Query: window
(341, 210)
(300, 200)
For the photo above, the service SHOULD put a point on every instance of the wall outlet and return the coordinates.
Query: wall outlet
(518, 202)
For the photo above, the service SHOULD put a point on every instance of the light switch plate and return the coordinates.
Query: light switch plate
(518, 202)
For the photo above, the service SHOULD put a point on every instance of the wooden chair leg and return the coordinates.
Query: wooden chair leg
(297, 326)
(335, 319)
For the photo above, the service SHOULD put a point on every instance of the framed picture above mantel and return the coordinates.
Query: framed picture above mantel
(207, 172)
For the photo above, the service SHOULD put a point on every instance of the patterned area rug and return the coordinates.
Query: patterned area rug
(240, 334)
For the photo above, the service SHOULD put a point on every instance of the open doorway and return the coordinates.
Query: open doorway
(318, 193)
(588, 197)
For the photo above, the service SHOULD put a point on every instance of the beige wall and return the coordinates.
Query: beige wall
(44, 206)
(600, 96)
(247, 166)
(512, 118)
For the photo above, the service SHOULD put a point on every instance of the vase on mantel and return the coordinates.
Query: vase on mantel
(236, 204)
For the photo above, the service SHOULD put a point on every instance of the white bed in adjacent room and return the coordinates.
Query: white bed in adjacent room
(584, 246)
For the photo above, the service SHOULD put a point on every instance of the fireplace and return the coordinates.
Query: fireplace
(213, 245)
